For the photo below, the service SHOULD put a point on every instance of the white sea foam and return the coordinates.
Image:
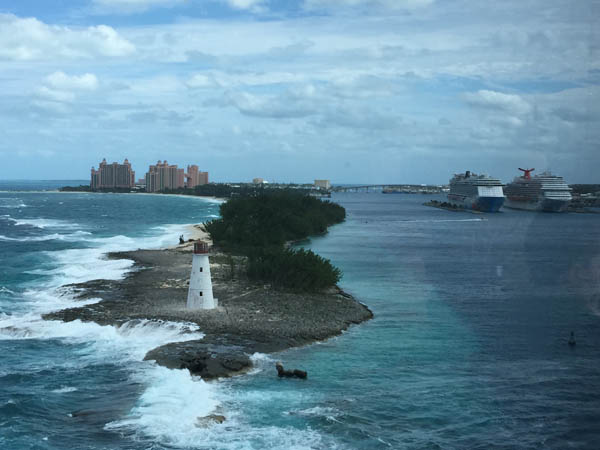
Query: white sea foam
(259, 358)
(64, 390)
(13, 205)
(130, 341)
(171, 412)
(169, 408)
(329, 413)
(79, 265)
(173, 399)
(44, 223)
(71, 237)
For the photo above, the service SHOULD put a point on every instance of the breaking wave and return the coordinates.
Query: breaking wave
(43, 223)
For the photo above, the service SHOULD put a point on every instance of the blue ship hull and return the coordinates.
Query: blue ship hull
(483, 204)
(488, 204)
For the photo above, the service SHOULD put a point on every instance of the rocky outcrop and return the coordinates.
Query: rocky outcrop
(296, 373)
(203, 359)
(211, 419)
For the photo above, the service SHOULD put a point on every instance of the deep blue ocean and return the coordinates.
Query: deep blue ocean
(468, 347)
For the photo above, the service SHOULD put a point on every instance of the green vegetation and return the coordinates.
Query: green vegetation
(260, 226)
(221, 190)
(299, 270)
(80, 188)
(229, 190)
(87, 188)
(585, 188)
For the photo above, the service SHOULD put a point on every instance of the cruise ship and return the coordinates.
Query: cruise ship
(478, 192)
(543, 192)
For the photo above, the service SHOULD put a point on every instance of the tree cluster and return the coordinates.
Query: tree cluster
(260, 226)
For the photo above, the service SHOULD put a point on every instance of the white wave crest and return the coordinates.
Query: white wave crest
(64, 390)
(173, 409)
(72, 237)
(13, 206)
(44, 223)
(170, 407)
(130, 341)
(328, 413)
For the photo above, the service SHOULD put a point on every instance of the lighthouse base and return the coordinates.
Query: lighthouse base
(196, 300)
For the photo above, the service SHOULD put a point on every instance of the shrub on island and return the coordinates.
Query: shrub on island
(272, 219)
(295, 269)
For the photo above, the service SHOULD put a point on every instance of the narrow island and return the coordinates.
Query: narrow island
(449, 206)
(272, 296)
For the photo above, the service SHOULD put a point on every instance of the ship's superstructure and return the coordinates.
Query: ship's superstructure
(478, 192)
(543, 192)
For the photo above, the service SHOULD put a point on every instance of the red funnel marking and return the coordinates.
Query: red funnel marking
(527, 173)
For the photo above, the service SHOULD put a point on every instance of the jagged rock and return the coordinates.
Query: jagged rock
(205, 360)
(300, 373)
(203, 422)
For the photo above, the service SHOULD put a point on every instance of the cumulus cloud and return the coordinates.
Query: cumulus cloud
(60, 80)
(131, 6)
(60, 90)
(55, 95)
(249, 5)
(221, 79)
(201, 80)
(383, 4)
(30, 39)
(497, 101)
(293, 103)
(359, 118)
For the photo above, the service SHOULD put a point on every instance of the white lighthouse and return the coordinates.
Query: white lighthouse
(200, 294)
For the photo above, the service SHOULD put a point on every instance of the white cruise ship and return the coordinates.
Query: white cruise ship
(478, 192)
(544, 192)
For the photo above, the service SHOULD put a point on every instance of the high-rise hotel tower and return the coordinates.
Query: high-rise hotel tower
(113, 175)
(164, 176)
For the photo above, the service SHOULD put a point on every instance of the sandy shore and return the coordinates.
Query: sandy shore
(250, 318)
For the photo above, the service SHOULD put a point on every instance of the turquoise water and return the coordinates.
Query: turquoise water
(468, 347)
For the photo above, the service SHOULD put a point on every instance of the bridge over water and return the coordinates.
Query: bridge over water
(404, 188)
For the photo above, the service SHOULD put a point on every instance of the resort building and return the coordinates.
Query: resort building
(194, 177)
(163, 176)
(323, 184)
(110, 176)
(259, 181)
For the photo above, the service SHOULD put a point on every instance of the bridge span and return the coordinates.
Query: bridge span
(391, 188)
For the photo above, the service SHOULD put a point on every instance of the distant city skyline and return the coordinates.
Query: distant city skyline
(354, 91)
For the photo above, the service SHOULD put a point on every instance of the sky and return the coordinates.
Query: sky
(355, 91)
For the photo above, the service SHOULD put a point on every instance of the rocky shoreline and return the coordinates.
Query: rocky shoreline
(250, 318)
